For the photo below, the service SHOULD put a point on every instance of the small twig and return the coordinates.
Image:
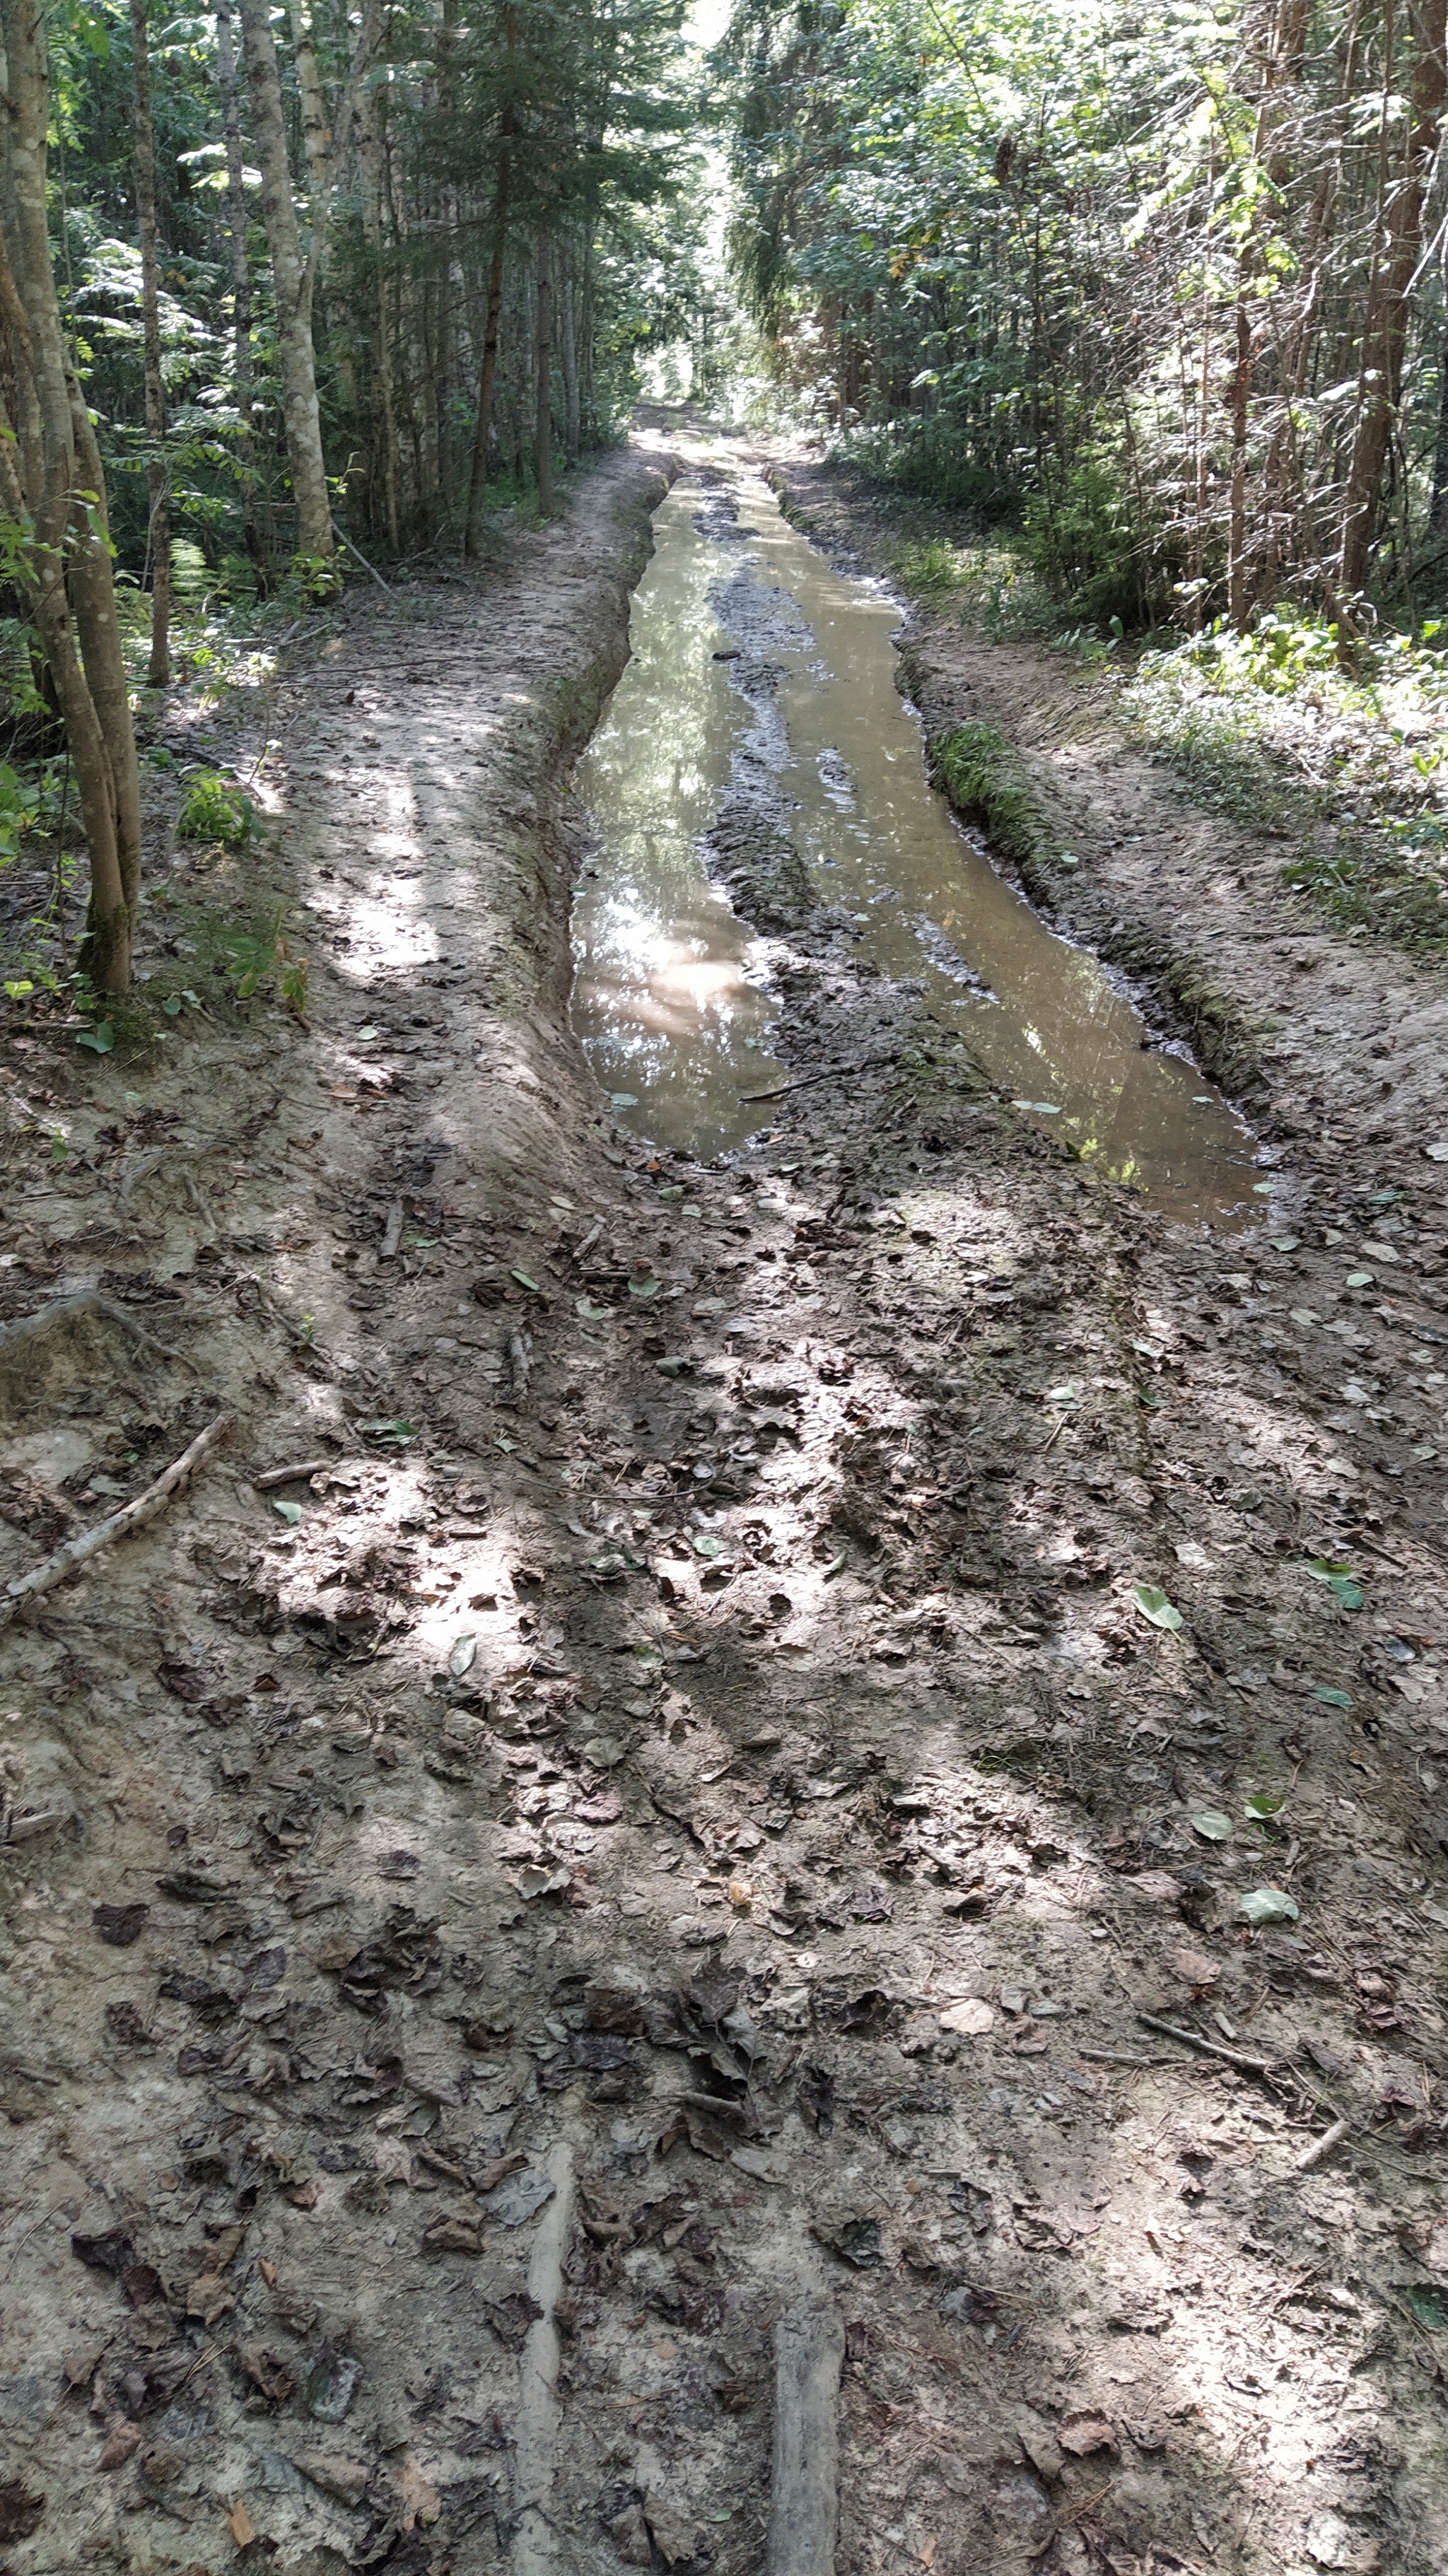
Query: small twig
(1114, 2057)
(291, 1475)
(362, 559)
(131, 1516)
(391, 1232)
(1210, 2047)
(1322, 2146)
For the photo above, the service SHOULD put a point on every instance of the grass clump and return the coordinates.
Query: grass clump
(985, 780)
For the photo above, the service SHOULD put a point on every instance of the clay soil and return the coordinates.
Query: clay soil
(686, 1802)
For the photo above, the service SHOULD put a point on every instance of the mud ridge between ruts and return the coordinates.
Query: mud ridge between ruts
(687, 1785)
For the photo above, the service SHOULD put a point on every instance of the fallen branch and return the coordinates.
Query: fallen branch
(809, 2348)
(1210, 2047)
(362, 559)
(1322, 2146)
(290, 1475)
(131, 1516)
(86, 1301)
(833, 1073)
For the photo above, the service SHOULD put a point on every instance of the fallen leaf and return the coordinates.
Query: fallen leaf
(1268, 1905)
(21, 2511)
(1154, 1605)
(1084, 2432)
(243, 2529)
(463, 1656)
(1212, 1825)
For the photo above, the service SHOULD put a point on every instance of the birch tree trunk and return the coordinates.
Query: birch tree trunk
(159, 670)
(292, 277)
(64, 501)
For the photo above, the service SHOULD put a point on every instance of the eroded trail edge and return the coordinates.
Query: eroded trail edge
(694, 1795)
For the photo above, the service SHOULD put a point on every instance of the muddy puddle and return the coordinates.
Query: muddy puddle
(671, 996)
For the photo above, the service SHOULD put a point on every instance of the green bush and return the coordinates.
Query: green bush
(1083, 536)
(216, 809)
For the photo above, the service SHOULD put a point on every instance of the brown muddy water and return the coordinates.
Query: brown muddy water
(671, 996)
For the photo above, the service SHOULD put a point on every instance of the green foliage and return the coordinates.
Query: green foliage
(982, 775)
(216, 809)
(1272, 729)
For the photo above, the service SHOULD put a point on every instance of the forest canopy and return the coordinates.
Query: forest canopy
(1163, 280)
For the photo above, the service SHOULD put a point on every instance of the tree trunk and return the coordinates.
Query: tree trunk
(568, 351)
(489, 377)
(236, 221)
(159, 670)
(1385, 328)
(371, 152)
(62, 462)
(293, 282)
(543, 370)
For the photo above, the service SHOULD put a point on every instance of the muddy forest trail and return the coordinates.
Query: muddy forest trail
(690, 1804)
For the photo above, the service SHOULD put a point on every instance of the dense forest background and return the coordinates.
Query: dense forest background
(1156, 289)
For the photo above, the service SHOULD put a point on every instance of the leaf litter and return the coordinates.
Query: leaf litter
(801, 1841)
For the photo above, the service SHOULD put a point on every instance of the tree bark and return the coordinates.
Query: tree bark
(386, 427)
(1385, 329)
(64, 502)
(159, 670)
(568, 351)
(236, 219)
(489, 377)
(293, 281)
(543, 370)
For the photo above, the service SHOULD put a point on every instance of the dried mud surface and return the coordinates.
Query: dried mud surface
(690, 1806)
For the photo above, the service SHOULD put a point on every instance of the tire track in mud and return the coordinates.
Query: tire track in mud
(700, 1727)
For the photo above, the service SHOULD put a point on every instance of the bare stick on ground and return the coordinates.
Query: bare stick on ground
(131, 1516)
(536, 2547)
(1322, 2146)
(809, 2349)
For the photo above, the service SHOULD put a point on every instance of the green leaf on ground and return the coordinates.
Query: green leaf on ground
(396, 1432)
(707, 1546)
(1212, 1826)
(525, 1282)
(291, 1513)
(1339, 1578)
(1361, 1279)
(623, 1099)
(1154, 1605)
(643, 1287)
(1268, 1905)
(1263, 1805)
(463, 1656)
(590, 1313)
(100, 1039)
(1333, 1698)
(1429, 2306)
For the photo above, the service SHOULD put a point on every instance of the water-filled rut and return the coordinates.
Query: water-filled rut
(762, 697)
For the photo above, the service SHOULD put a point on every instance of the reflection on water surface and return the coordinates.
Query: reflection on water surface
(669, 1000)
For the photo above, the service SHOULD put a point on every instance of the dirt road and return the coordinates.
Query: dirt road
(759, 1681)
